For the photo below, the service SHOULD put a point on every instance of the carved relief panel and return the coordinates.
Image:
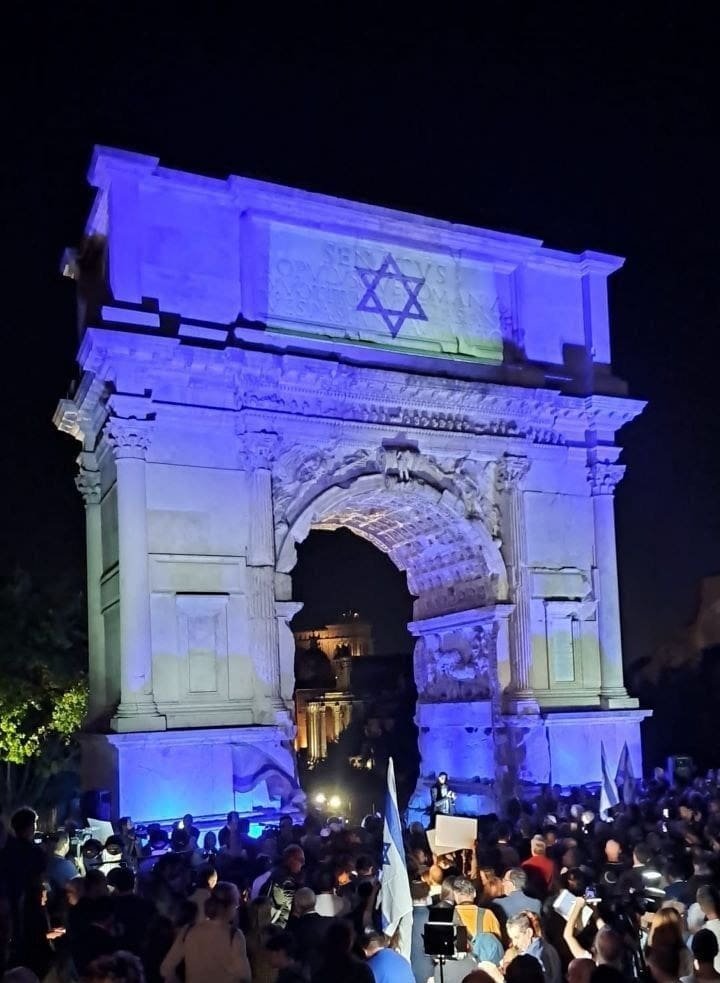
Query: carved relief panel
(457, 665)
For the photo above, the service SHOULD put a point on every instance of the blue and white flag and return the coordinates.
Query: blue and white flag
(395, 899)
(608, 789)
(625, 777)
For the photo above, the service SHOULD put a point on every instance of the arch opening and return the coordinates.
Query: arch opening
(457, 578)
(451, 561)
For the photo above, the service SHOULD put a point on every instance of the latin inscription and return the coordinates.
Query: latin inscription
(364, 291)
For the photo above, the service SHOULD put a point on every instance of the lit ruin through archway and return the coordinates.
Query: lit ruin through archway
(257, 362)
(355, 694)
(429, 521)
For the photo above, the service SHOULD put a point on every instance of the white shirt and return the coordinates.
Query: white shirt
(330, 905)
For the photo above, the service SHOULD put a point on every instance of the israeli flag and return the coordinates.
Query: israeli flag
(624, 776)
(608, 789)
(395, 900)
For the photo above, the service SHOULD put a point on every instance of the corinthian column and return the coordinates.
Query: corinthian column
(129, 440)
(89, 486)
(604, 478)
(511, 472)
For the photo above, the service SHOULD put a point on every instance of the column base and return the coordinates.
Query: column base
(618, 699)
(574, 740)
(157, 777)
(521, 702)
(130, 722)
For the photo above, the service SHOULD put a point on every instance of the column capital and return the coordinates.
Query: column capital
(88, 484)
(604, 477)
(128, 438)
(257, 451)
(511, 471)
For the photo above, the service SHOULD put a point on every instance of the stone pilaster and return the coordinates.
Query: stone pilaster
(255, 456)
(285, 611)
(511, 472)
(604, 478)
(89, 485)
(129, 440)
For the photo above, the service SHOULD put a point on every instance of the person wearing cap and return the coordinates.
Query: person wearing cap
(386, 965)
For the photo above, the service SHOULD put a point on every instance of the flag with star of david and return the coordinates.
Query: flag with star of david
(395, 899)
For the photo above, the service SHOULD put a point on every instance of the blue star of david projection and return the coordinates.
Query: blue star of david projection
(371, 301)
(386, 855)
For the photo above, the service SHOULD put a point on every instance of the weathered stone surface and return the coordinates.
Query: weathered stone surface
(271, 362)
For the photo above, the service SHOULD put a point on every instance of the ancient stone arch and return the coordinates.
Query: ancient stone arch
(256, 362)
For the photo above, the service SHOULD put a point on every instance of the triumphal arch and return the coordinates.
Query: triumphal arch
(257, 362)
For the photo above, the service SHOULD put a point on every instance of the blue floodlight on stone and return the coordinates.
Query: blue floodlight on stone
(258, 362)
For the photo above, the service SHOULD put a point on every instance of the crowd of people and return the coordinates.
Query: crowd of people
(550, 892)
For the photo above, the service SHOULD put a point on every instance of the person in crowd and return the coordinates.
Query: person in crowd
(508, 855)
(259, 916)
(22, 864)
(283, 952)
(328, 903)
(421, 963)
(663, 962)
(94, 935)
(666, 931)
(35, 942)
(612, 869)
(134, 916)
(708, 901)
(526, 937)
(539, 868)
(206, 878)
(213, 951)
(282, 883)
(482, 925)
(307, 928)
(339, 964)
(20, 974)
(704, 952)
(515, 899)
(607, 946)
(60, 869)
(641, 874)
(120, 967)
(523, 969)
(580, 970)
(676, 881)
(386, 965)
(442, 797)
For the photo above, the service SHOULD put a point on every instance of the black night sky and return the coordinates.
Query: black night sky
(589, 131)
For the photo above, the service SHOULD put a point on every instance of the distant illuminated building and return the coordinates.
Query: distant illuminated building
(351, 632)
(323, 700)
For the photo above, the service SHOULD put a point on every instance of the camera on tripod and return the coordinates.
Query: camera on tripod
(443, 937)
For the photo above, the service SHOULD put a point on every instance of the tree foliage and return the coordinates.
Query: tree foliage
(43, 690)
